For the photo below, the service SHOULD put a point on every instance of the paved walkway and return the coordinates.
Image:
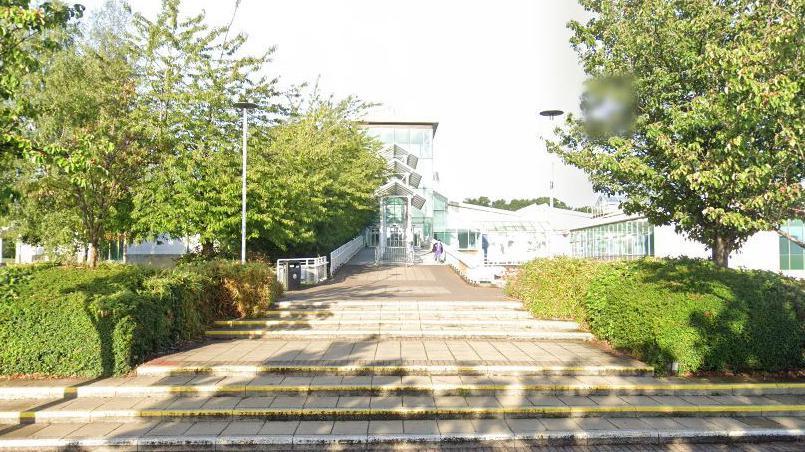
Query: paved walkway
(356, 281)
(398, 357)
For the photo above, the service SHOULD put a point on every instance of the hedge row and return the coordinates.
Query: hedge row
(687, 311)
(74, 321)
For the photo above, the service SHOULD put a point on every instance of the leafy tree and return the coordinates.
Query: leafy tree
(312, 185)
(27, 34)
(517, 203)
(694, 111)
(192, 73)
(89, 148)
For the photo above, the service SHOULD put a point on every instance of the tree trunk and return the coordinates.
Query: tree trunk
(125, 248)
(721, 251)
(92, 254)
(207, 249)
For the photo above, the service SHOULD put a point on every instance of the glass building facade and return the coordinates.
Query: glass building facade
(623, 240)
(417, 139)
(791, 254)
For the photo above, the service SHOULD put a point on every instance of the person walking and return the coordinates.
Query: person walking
(438, 250)
(485, 246)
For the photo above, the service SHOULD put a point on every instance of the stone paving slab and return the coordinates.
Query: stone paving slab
(207, 435)
(387, 408)
(358, 282)
(387, 332)
(249, 351)
(272, 384)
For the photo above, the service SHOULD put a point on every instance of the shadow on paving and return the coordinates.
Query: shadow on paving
(428, 283)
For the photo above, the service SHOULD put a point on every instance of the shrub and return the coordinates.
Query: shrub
(75, 321)
(554, 288)
(704, 317)
(241, 290)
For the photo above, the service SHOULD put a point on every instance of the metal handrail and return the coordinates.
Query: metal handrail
(345, 252)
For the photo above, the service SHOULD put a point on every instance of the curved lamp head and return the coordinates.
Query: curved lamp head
(245, 105)
(551, 113)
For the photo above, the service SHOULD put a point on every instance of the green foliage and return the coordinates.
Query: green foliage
(323, 171)
(240, 290)
(64, 321)
(517, 203)
(702, 316)
(694, 112)
(554, 288)
(190, 75)
(91, 149)
(27, 34)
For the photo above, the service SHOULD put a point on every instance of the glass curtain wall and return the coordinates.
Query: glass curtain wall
(792, 256)
(624, 240)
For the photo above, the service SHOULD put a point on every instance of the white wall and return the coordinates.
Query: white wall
(163, 245)
(667, 243)
(760, 252)
(27, 254)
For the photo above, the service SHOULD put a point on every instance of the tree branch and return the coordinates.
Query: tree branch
(782, 233)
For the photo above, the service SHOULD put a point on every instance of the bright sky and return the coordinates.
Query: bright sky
(482, 69)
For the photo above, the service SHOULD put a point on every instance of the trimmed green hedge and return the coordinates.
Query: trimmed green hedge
(75, 321)
(554, 288)
(688, 311)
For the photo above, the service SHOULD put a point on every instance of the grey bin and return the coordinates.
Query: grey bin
(294, 275)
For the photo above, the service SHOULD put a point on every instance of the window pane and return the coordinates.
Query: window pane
(402, 137)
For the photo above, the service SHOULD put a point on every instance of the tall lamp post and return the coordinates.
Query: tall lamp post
(245, 106)
(551, 114)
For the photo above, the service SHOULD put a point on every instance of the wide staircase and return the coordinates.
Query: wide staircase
(401, 373)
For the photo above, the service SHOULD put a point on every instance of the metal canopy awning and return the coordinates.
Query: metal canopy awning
(398, 188)
(394, 188)
(414, 178)
(396, 152)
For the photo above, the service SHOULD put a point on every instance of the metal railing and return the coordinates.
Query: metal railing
(476, 269)
(314, 270)
(345, 252)
(394, 252)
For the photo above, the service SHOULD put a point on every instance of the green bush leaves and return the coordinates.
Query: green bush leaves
(687, 311)
(73, 321)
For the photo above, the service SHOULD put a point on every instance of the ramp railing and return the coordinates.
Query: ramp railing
(344, 253)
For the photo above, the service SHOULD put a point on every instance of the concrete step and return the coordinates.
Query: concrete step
(162, 368)
(399, 305)
(279, 384)
(307, 332)
(777, 434)
(316, 407)
(487, 323)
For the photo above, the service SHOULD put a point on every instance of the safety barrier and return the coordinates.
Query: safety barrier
(344, 253)
(313, 270)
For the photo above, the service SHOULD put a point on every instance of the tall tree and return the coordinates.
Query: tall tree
(313, 182)
(695, 112)
(27, 35)
(193, 73)
(90, 148)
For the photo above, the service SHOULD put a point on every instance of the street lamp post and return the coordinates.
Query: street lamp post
(245, 106)
(551, 114)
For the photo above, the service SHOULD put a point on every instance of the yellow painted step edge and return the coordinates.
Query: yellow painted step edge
(179, 389)
(418, 412)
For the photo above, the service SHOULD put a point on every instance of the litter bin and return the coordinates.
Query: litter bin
(294, 275)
